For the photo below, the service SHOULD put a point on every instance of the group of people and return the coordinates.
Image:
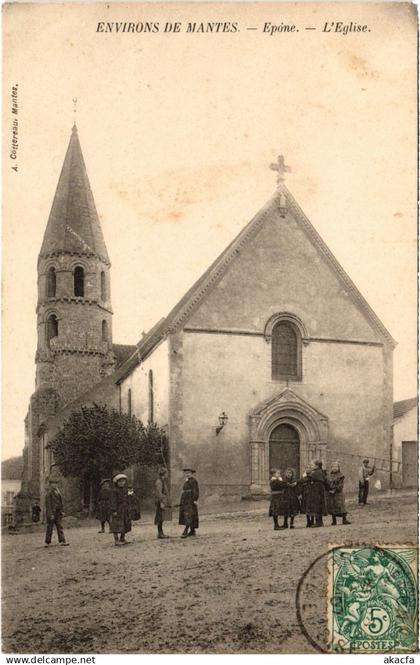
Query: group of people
(118, 505)
(316, 494)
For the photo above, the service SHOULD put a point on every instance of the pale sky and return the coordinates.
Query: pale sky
(178, 131)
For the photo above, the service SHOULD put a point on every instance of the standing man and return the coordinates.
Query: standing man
(188, 511)
(162, 501)
(54, 512)
(365, 472)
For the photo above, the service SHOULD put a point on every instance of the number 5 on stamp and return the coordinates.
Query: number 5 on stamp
(373, 599)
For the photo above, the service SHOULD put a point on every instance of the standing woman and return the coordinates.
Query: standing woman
(303, 489)
(162, 500)
(317, 502)
(278, 488)
(292, 501)
(103, 505)
(335, 496)
(188, 511)
(120, 523)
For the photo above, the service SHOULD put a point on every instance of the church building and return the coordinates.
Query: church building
(273, 357)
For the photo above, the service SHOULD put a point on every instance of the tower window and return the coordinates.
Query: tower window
(286, 351)
(52, 327)
(51, 283)
(104, 331)
(151, 397)
(103, 286)
(79, 282)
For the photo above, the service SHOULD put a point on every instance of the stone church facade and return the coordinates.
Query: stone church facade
(273, 357)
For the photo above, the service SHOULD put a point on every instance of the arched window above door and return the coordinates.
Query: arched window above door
(286, 333)
(285, 352)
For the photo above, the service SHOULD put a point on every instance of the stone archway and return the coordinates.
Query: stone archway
(289, 409)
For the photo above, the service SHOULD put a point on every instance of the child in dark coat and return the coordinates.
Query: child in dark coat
(317, 498)
(292, 506)
(277, 497)
(284, 499)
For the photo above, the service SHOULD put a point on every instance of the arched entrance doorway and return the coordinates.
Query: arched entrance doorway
(285, 431)
(284, 452)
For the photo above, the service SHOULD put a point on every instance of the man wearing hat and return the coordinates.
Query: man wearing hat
(103, 505)
(162, 501)
(365, 472)
(188, 511)
(54, 512)
(120, 522)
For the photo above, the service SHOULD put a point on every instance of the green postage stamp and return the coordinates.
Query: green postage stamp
(373, 599)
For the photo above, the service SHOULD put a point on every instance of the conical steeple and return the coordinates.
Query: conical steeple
(74, 313)
(73, 225)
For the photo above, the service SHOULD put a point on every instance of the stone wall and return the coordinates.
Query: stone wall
(148, 384)
(81, 354)
(225, 363)
(233, 374)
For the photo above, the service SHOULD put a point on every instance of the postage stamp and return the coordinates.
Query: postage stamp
(373, 599)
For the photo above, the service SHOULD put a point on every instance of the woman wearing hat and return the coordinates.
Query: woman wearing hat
(103, 505)
(120, 523)
(335, 497)
(188, 511)
(162, 501)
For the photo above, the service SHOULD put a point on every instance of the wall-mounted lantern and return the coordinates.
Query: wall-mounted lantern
(223, 418)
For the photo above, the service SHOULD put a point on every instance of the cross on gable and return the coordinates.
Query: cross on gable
(281, 169)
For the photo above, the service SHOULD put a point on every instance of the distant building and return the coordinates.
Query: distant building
(9, 489)
(405, 443)
(271, 359)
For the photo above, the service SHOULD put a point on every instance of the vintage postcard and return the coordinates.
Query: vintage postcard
(209, 329)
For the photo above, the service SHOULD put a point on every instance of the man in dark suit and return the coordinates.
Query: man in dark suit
(54, 512)
(188, 511)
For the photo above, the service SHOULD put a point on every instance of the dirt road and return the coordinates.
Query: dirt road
(230, 589)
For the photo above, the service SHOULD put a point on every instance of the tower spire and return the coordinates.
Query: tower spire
(73, 225)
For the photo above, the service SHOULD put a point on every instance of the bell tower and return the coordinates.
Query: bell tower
(74, 314)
